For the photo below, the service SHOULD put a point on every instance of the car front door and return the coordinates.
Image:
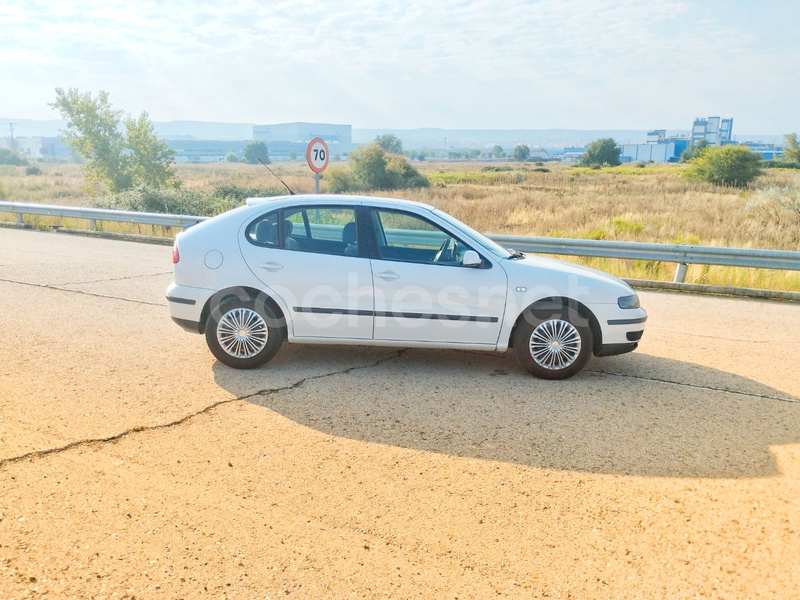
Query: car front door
(308, 255)
(422, 291)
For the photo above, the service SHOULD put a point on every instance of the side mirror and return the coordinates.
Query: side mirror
(471, 259)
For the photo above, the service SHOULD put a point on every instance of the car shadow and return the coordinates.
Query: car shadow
(632, 415)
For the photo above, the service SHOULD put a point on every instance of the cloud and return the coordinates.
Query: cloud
(477, 63)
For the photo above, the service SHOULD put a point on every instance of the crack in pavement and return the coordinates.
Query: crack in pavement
(60, 289)
(727, 339)
(697, 386)
(117, 278)
(658, 380)
(142, 428)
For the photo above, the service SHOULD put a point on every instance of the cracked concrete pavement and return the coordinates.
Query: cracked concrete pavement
(134, 465)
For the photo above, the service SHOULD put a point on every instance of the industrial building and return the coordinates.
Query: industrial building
(38, 148)
(203, 151)
(660, 148)
(285, 141)
(302, 133)
(714, 130)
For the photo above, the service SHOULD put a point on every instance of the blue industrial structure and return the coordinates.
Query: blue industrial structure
(665, 150)
(714, 130)
(660, 148)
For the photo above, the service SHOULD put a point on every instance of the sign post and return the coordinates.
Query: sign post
(317, 158)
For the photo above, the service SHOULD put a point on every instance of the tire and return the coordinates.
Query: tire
(553, 342)
(243, 334)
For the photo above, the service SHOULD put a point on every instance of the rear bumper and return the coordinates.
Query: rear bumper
(186, 303)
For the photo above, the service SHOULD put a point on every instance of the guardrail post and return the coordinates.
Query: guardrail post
(19, 218)
(680, 273)
(91, 224)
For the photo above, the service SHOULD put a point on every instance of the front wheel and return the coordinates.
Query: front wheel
(243, 335)
(553, 345)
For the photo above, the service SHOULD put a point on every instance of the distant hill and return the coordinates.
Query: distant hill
(427, 137)
(508, 138)
(200, 130)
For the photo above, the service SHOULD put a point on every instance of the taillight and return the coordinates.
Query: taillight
(176, 256)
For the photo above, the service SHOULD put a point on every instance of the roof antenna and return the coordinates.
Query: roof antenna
(291, 193)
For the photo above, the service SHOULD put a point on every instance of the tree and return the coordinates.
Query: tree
(736, 166)
(390, 143)
(791, 148)
(292, 156)
(255, 151)
(150, 159)
(693, 150)
(232, 157)
(498, 152)
(601, 152)
(114, 160)
(372, 168)
(521, 152)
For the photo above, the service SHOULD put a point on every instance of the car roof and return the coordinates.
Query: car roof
(310, 199)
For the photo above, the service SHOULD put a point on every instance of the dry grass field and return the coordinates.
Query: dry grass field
(649, 204)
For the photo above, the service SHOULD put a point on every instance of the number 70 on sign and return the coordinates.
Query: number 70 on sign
(317, 155)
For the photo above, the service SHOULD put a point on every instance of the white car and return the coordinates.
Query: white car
(326, 269)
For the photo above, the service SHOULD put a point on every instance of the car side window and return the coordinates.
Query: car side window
(319, 229)
(264, 230)
(406, 237)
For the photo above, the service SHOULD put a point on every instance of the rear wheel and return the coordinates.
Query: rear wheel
(243, 335)
(553, 344)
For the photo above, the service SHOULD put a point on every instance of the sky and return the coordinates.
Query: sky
(470, 64)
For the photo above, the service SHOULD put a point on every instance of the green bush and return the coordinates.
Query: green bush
(776, 204)
(168, 200)
(372, 168)
(622, 225)
(780, 164)
(33, 170)
(735, 166)
(185, 202)
(239, 194)
(9, 157)
(341, 181)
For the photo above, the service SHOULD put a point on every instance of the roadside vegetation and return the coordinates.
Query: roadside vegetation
(654, 203)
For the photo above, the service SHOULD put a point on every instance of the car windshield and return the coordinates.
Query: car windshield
(484, 241)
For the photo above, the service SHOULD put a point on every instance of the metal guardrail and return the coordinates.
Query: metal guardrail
(98, 214)
(682, 255)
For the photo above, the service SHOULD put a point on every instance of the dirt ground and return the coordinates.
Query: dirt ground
(132, 465)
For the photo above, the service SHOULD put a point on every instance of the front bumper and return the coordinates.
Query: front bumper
(614, 349)
(621, 329)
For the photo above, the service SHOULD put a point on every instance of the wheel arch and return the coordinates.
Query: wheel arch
(243, 293)
(558, 304)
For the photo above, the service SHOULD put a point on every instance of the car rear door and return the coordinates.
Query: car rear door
(308, 255)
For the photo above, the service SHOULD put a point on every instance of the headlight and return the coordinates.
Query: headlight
(628, 301)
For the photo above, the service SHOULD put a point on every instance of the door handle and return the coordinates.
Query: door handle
(388, 275)
(271, 266)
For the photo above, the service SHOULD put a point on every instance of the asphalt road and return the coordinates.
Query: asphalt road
(132, 464)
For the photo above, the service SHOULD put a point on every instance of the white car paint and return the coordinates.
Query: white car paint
(379, 300)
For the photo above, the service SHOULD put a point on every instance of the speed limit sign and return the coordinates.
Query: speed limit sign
(317, 155)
